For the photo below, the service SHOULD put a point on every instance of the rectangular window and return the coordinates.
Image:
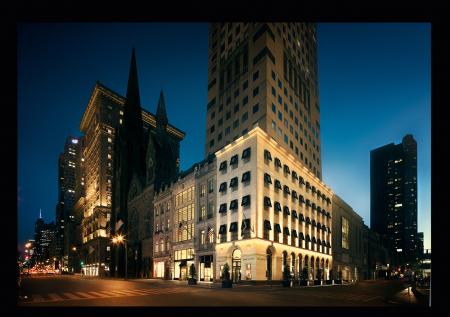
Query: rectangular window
(345, 232)
(274, 109)
(274, 126)
(244, 116)
(255, 91)
(280, 116)
(236, 124)
(245, 100)
(274, 92)
(255, 108)
(255, 75)
(273, 75)
(245, 85)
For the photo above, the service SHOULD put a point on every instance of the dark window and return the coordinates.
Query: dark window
(213, 114)
(234, 182)
(245, 85)
(236, 93)
(223, 187)
(245, 200)
(273, 75)
(301, 180)
(228, 115)
(286, 190)
(212, 129)
(277, 228)
(255, 91)
(277, 162)
(302, 218)
(245, 100)
(255, 108)
(286, 169)
(302, 199)
(294, 195)
(263, 53)
(246, 153)
(246, 177)
(294, 214)
(286, 211)
(267, 202)
(245, 116)
(255, 75)
(211, 143)
(294, 175)
(267, 225)
(245, 228)
(286, 231)
(234, 204)
(294, 233)
(220, 122)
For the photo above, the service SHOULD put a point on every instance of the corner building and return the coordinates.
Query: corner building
(265, 73)
(272, 212)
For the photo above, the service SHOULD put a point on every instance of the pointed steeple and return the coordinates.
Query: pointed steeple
(133, 100)
(161, 114)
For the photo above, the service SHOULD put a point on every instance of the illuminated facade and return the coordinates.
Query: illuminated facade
(272, 211)
(265, 73)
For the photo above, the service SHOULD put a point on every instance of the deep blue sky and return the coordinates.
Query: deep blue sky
(374, 81)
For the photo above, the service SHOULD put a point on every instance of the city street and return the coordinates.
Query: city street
(86, 291)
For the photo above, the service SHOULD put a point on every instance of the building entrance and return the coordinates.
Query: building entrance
(236, 266)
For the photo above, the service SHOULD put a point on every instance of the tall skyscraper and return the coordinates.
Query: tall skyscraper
(265, 73)
(67, 166)
(393, 197)
(44, 237)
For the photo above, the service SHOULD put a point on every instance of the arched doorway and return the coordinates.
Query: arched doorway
(305, 271)
(293, 269)
(311, 269)
(317, 269)
(236, 266)
(283, 261)
(322, 269)
(300, 268)
(269, 264)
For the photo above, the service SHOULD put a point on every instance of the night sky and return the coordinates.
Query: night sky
(374, 83)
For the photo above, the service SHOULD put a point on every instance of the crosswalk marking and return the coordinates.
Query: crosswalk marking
(53, 297)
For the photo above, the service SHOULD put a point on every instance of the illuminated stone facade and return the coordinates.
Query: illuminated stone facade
(265, 73)
(275, 213)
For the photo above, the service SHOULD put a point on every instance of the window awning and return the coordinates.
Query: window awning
(234, 182)
(267, 155)
(313, 189)
(294, 175)
(223, 229)
(223, 208)
(328, 244)
(308, 185)
(313, 240)
(234, 160)
(328, 200)
(267, 225)
(233, 227)
(223, 187)
(246, 153)
(302, 218)
(302, 199)
(286, 190)
(286, 210)
(308, 239)
(301, 180)
(294, 233)
(286, 169)
(246, 177)
(294, 214)
(286, 231)
(223, 166)
(319, 242)
(245, 200)
(324, 244)
(319, 195)
(277, 162)
(319, 226)
(267, 202)
(324, 228)
(267, 178)
(277, 206)
(328, 214)
(313, 206)
(313, 223)
(308, 203)
(294, 194)
(245, 225)
(319, 210)
(301, 236)
(308, 221)
(234, 204)
(277, 228)
(277, 184)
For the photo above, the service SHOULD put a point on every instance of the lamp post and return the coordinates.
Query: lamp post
(120, 239)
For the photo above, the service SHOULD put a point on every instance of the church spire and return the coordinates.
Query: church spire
(133, 100)
(161, 114)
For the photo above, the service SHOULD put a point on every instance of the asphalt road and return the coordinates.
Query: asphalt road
(84, 291)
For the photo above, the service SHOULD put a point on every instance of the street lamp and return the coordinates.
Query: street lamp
(119, 239)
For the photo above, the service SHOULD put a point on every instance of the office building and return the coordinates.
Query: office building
(393, 197)
(44, 237)
(265, 73)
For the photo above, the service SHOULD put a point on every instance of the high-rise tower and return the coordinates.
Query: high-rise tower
(393, 197)
(265, 73)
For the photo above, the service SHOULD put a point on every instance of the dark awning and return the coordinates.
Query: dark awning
(233, 227)
(223, 229)
(277, 206)
(294, 194)
(286, 190)
(277, 184)
(313, 240)
(313, 223)
(267, 178)
(223, 166)
(324, 244)
(313, 206)
(308, 221)
(324, 228)
(313, 189)
(302, 218)
(302, 199)
(234, 182)
(319, 193)
(308, 239)
(234, 204)
(286, 210)
(267, 202)
(294, 175)
(328, 244)
(267, 155)
(294, 233)
(183, 263)
(234, 159)
(328, 214)
(223, 187)
(319, 242)
(308, 185)
(246, 177)
(302, 181)
(277, 228)
(277, 162)
(319, 210)
(328, 200)
(286, 169)
(246, 153)
(286, 231)
(319, 226)
(223, 208)
(301, 235)
(267, 225)
(308, 203)
(294, 214)
(245, 200)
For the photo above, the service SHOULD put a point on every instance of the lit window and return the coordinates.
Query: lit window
(109, 140)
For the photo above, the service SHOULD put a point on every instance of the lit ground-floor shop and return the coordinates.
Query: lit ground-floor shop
(262, 260)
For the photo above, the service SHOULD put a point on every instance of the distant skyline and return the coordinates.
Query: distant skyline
(374, 86)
